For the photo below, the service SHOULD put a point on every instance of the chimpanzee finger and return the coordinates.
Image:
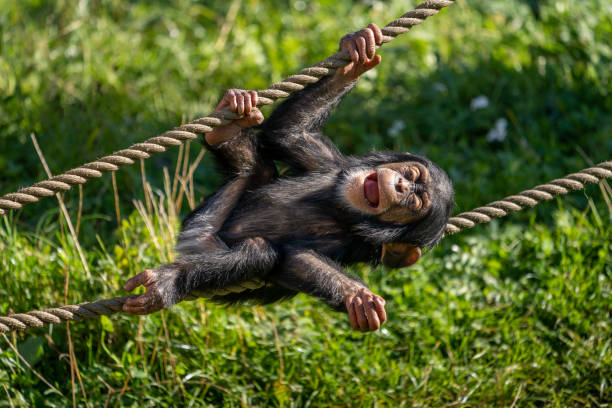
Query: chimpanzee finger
(353, 316)
(254, 98)
(361, 47)
(223, 103)
(136, 310)
(135, 281)
(138, 301)
(352, 49)
(380, 309)
(373, 62)
(256, 116)
(247, 103)
(378, 36)
(128, 305)
(143, 304)
(139, 310)
(361, 316)
(368, 35)
(231, 98)
(345, 41)
(371, 313)
(240, 103)
(380, 299)
(414, 254)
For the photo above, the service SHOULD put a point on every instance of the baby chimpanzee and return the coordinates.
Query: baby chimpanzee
(263, 237)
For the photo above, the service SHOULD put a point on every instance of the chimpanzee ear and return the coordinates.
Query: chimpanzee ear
(399, 255)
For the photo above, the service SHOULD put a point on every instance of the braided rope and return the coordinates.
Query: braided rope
(529, 198)
(22, 321)
(189, 131)
(463, 221)
(103, 307)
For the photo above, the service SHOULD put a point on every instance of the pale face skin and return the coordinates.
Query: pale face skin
(394, 192)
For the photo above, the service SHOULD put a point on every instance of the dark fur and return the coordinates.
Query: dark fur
(295, 232)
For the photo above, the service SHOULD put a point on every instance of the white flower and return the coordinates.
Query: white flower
(499, 131)
(479, 102)
(173, 31)
(396, 127)
(71, 51)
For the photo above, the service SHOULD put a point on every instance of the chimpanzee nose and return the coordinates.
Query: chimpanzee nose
(402, 185)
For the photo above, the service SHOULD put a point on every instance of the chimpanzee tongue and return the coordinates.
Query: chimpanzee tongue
(370, 190)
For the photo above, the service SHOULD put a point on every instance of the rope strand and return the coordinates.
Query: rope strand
(529, 198)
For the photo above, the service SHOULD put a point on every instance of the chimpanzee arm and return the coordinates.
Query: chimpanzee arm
(209, 217)
(223, 267)
(293, 133)
(242, 156)
(314, 274)
(234, 145)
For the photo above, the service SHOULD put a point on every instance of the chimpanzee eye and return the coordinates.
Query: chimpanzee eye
(416, 202)
(426, 200)
(413, 174)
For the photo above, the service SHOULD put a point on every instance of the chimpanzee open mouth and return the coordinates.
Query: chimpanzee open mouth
(370, 189)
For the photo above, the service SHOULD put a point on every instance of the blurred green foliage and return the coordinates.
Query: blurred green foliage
(517, 311)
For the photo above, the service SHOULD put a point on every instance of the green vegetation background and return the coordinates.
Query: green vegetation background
(515, 313)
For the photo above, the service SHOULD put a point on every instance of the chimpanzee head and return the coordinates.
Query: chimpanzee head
(401, 197)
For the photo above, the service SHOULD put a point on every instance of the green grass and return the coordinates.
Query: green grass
(513, 313)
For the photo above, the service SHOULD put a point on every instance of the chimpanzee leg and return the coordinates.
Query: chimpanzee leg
(247, 259)
(218, 268)
(223, 268)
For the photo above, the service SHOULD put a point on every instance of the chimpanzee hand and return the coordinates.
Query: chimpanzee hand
(366, 310)
(160, 292)
(243, 103)
(361, 45)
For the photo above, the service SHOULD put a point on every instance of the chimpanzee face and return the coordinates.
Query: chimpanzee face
(395, 192)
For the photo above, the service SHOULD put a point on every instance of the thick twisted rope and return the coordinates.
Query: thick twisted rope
(189, 131)
(529, 198)
(23, 321)
(103, 307)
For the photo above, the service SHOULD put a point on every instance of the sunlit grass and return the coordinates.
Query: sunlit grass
(515, 313)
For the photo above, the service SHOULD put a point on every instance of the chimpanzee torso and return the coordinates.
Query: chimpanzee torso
(298, 212)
